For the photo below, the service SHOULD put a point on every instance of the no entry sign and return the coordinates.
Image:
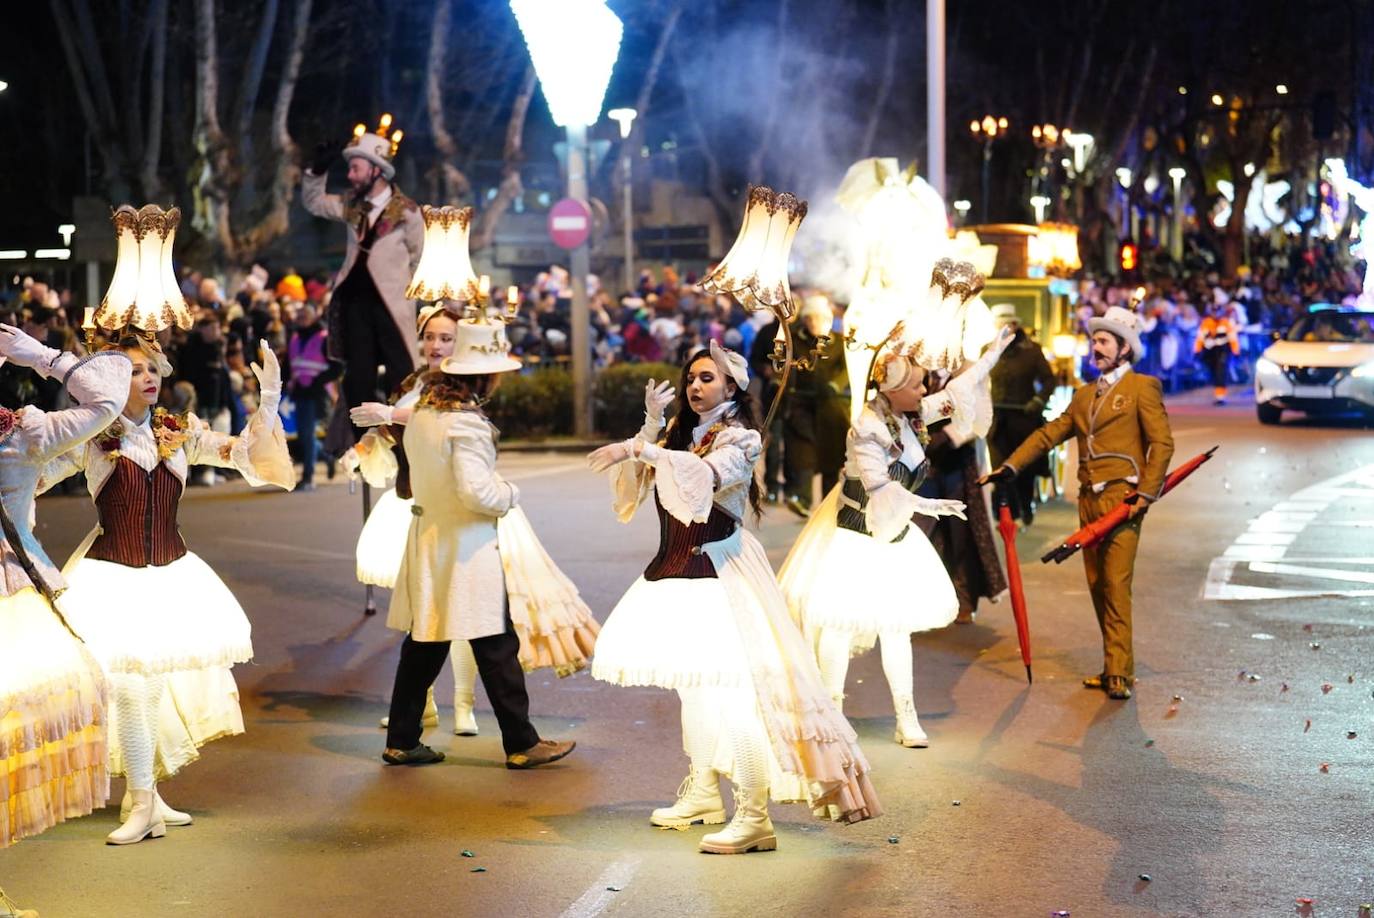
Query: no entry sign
(570, 222)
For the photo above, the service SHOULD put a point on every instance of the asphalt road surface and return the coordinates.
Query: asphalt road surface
(1238, 799)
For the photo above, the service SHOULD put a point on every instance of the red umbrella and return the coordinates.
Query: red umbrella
(1007, 526)
(1099, 529)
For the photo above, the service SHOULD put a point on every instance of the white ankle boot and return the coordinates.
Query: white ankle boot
(909, 732)
(168, 815)
(464, 721)
(142, 823)
(10, 909)
(749, 830)
(429, 719)
(698, 802)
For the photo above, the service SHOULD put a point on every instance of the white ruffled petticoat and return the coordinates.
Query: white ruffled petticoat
(382, 543)
(52, 730)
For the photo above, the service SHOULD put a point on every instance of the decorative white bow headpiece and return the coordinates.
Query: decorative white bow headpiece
(731, 364)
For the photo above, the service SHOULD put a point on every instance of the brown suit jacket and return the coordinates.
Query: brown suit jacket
(1122, 433)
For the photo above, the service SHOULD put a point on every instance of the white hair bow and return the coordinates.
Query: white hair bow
(731, 364)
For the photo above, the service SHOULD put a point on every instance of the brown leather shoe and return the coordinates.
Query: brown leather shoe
(1096, 681)
(420, 755)
(1117, 689)
(541, 753)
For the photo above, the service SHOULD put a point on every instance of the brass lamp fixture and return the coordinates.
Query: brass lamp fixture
(754, 272)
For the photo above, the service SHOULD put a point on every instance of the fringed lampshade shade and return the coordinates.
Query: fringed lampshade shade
(144, 293)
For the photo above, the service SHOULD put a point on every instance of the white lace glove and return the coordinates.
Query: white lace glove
(26, 350)
(371, 414)
(612, 454)
(657, 397)
(269, 380)
(348, 464)
(931, 507)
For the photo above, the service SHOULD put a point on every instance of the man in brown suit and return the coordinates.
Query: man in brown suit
(1124, 447)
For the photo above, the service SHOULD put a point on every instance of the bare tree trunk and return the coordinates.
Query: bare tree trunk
(152, 149)
(454, 185)
(82, 61)
(276, 221)
(875, 112)
(513, 155)
(211, 200)
(252, 72)
(646, 87)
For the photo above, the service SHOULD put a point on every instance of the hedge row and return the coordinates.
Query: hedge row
(540, 404)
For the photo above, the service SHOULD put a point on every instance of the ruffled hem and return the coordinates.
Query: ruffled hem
(52, 783)
(630, 678)
(567, 650)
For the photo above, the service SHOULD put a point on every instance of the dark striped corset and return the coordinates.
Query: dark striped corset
(854, 499)
(138, 516)
(679, 546)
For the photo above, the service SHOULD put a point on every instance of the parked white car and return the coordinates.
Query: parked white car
(1323, 365)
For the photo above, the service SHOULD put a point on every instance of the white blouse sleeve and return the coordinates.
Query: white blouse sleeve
(480, 487)
(100, 386)
(259, 453)
(687, 483)
(890, 506)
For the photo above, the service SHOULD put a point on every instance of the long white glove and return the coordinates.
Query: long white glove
(599, 460)
(657, 397)
(371, 414)
(932, 507)
(269, 380)
(26, 350)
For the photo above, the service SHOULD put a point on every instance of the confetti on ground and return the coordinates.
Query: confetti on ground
(1350, 679)
(893, 839)
(1146, 877)
(1307, 628)
(1326, 688)
(1315, 646)
(1350, 734)
(1173, 709)
(958, 803)
(1283, 688)
(1149, 743)
(613, 888)
(478, 870)
(1178, 698)
(1325, 768)
(1307, 726)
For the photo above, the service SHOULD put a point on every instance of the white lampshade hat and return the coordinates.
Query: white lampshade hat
(754, 271)
(143, 292)
(445, 269)
(480, 347)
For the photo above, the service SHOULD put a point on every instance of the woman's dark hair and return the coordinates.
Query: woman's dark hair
(679, 433)
(460, 387)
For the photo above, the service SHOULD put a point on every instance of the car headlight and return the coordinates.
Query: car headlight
(1265, 365)
(1363, 371)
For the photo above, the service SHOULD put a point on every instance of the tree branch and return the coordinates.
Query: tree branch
(453, 184)
(152, 145)
(252, 71)
(513, 155)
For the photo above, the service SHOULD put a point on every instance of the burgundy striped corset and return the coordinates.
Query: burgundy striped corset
(679, 546)
(138, 516)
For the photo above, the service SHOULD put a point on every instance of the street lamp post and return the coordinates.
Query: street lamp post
(1176, 229)
(625, 117)
(574, 45)
(989, 128)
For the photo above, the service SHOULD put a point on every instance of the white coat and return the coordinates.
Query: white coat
(451, 585)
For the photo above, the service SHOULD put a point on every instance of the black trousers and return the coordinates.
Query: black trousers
(370, 339)
(498, 664)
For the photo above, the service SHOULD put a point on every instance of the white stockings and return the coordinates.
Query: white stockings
(722, 731)
(832, 655)
(464, 668)
(138, 699)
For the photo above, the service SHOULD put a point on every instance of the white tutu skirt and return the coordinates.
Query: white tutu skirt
(52, 729)
(842, 580)
(555, 627)
(152, 620)
(681, 633)
(198, 707)
(382, 542)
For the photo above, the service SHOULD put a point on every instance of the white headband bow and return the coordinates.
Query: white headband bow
(731, 364)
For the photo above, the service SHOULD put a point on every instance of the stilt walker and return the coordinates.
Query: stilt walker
(52, 690)
(370, 317)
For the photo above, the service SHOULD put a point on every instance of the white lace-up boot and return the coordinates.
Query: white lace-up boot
(464, 721)
(142, 823)
(749, 830)
(909, 732)
(168, 815)
(429, 719)
(698, 802)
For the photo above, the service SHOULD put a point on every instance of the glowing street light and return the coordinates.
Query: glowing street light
(1123, 175)
(625, 117)
(1281, 89)
(66, 231)
(4, 86)
(989, 128)
(1249, 169)
(1176, 237)
(1217, 99)
(574, 45)
(1082, 144)
(1039, 202)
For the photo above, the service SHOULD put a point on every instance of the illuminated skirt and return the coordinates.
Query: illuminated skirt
(382, 542)
(52, 721)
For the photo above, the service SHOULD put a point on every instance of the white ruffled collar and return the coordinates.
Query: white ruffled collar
(709, 418)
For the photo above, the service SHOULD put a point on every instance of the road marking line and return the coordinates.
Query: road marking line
(551, 470)
(282, 546)
(1324, 573)
(598, 897)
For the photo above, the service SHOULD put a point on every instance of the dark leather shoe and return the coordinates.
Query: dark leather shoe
(1096, 681)
(797, 506)
(1117, 689)
(541, 753)
(420, 755)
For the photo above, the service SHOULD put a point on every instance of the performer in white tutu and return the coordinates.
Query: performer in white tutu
(163, 625)
(707, 619)
(452, 584)
(860, 572)
(52, 691)
(556, 629)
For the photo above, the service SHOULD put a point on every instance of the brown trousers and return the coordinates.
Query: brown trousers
(1110, 567)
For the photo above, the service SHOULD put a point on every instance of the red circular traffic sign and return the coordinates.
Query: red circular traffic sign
(570, 223)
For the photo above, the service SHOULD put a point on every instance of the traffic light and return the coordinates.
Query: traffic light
(1128, 257)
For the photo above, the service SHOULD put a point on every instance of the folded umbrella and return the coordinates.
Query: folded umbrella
(1007, 527)
(1099, 529)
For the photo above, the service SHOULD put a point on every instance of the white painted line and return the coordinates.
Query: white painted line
(1323, 573)
(1265, 538)
(282, 546)
(598, 896)
(1255, 552)
(1277, 525)
(1315, 506)
(551, 470)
